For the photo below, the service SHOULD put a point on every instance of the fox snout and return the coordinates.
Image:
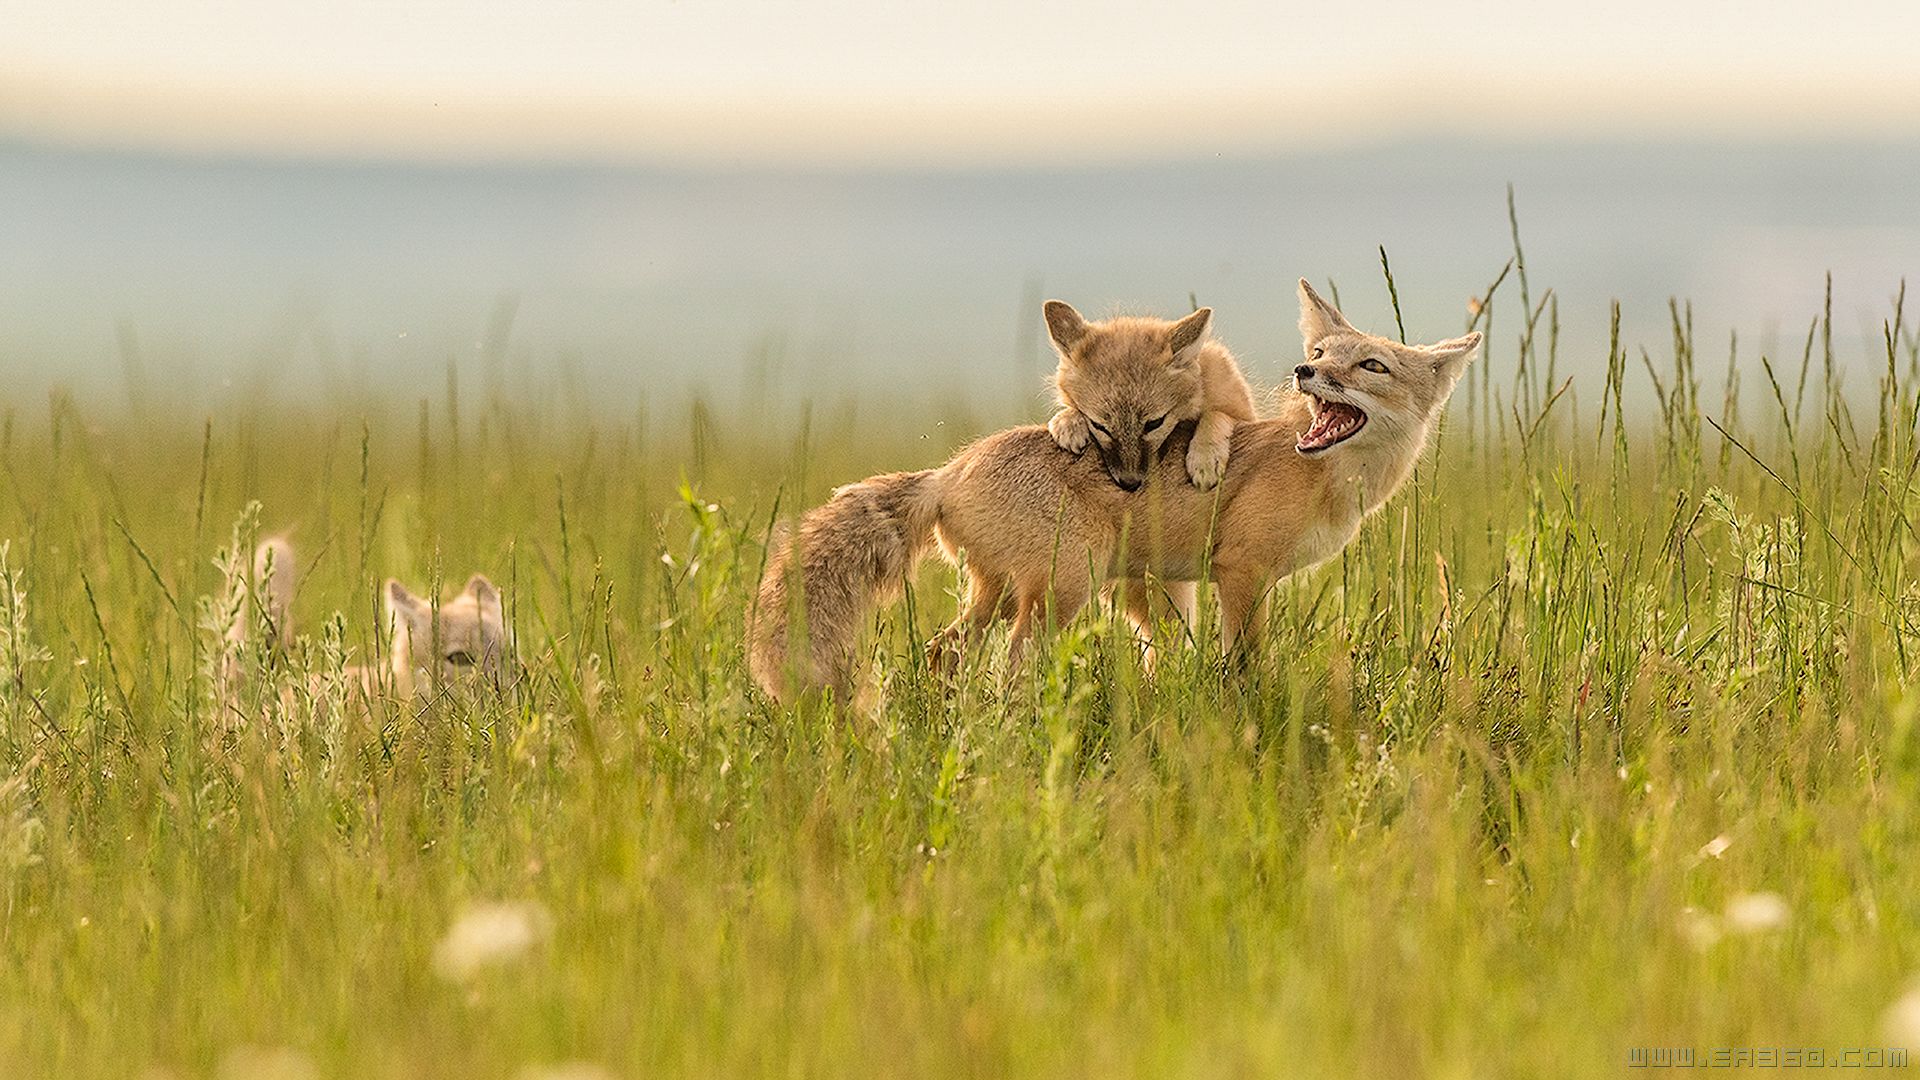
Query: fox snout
(1306, 373)
(1126, 462)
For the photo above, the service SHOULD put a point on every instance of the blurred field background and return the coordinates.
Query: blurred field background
(1600, 738)
(611, 285)
(759, 201)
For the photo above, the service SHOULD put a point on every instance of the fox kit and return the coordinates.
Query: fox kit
(459, 638)
(1125, 384)
(1032, 521)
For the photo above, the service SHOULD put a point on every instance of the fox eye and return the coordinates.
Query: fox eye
(1375, 366)
(1317, 354)
(460, 658)
(1151, 424)
(1097, 427)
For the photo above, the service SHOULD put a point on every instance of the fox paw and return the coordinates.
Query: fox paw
(1207, 462)
(1069, 428)
(943, 652)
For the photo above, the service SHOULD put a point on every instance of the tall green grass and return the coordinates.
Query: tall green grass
(1495, 798)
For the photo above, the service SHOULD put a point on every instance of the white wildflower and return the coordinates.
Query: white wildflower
(1700, 929)
(1900, 1024)
(1753, 913)
(487, 934)
(1715, 847)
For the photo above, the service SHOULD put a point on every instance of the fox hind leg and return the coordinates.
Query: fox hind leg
(1242, 610)
(1068, 597)
(1142, 607)
(988, 599)
(1185, 597)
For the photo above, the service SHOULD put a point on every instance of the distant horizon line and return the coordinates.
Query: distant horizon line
(943, 135)
(1384, 142)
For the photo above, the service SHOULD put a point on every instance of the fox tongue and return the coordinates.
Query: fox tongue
(1336, 421)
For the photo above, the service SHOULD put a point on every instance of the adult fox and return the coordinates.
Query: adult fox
(1035, 521)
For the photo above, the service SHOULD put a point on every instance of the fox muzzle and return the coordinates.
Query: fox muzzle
(1126, 462)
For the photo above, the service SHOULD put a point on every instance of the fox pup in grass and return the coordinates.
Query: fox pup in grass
(1037, 524)
(1126, 384)
(461, 638)
(466, 637)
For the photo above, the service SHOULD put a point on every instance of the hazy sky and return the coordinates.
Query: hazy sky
(910, 80)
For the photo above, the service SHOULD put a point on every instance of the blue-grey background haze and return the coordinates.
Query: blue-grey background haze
(309, 278)
(765, 201)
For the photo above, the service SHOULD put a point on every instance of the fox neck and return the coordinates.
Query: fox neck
(1359, 479)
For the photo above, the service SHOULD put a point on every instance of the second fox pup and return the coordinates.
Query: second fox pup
(1126, 383)
(454, 639)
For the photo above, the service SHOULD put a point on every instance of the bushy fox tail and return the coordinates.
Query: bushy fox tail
(825, 575)
(273, 586)
(256, 596)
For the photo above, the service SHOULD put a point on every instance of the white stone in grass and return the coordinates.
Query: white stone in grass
(1756, 913)
(489, 934)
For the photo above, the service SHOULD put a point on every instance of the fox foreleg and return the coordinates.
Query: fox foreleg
(1070, 429)
(1207, 453)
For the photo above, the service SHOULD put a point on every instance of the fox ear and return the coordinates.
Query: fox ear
(482, 590)
(1064, 325)
(1188, 334)
(1450, 357)
(1319, 318)
(400, 601)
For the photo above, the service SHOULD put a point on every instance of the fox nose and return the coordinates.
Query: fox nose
(1303, 372)
(1129, 483)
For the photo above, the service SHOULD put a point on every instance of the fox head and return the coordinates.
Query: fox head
(466, 636)
(1370, 390)
(1134, 379)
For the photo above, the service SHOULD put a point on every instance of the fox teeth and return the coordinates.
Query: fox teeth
(1337, 421)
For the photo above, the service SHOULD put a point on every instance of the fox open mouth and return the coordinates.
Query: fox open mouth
(1334, 422)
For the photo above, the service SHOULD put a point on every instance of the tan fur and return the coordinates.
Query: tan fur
(271, 590)
(461, 638)
(465, 636)
(845, 556)
(1119, 376)
(253, 603)
(1041, 528)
